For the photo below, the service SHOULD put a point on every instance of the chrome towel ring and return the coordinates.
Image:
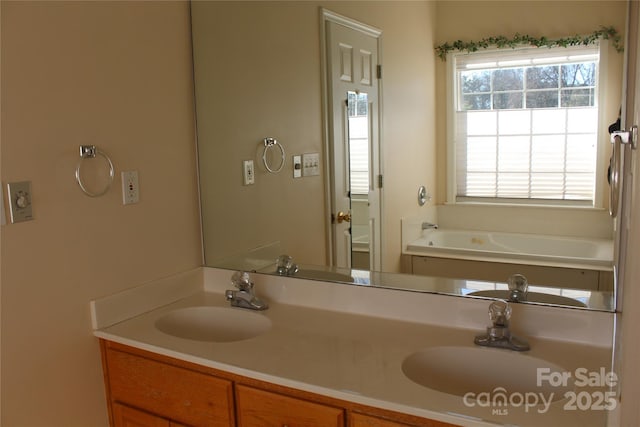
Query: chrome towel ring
(269, 143)
(90, 152)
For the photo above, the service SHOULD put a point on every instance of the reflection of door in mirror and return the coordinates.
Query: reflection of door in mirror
(352, 56)
(358, 148)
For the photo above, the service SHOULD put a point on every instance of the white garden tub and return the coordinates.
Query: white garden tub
(542, 249)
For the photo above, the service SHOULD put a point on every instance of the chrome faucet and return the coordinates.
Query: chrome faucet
(429, 226)
(244, 297)
(285, 266)
(498, 335)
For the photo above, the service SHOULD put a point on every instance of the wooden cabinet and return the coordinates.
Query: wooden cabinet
(362, 420)
(145, 389)
(260, 408)
(126, 416)
(178, 394)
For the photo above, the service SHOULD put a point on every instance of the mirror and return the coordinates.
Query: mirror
(259, 73)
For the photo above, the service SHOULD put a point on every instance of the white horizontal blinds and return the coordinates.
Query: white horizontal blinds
(526, 124)
(359, 143)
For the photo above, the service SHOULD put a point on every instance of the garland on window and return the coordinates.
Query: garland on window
(606, 33)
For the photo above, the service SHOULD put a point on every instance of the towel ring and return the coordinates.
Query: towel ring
(268, 143)
(90, 152)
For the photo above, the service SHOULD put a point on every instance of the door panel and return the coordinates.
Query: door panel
(352, 58)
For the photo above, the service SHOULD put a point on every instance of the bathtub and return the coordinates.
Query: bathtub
(513, 247)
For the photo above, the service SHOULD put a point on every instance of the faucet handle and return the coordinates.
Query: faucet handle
(500, 313)
(242, 281)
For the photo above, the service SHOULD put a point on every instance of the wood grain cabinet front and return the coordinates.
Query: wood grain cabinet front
(260, 408)
(177, 394)
(362, 420)
(145, 389)
(125, 416)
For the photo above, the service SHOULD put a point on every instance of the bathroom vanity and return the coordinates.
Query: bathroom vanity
(154, 390)
(322, 354)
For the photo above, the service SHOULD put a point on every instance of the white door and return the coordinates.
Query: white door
(352, 75)
(628, 241)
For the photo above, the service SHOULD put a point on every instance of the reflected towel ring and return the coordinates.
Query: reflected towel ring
(268, 143)
(90, 152)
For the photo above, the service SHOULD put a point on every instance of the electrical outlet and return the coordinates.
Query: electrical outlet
(249, 172)
(130, 189)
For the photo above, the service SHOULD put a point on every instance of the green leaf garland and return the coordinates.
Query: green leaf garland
(606, 33)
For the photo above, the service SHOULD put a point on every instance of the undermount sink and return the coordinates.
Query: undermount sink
(531, 297)
(216, 324)
(461, 370)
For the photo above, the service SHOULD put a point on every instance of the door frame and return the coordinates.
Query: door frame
(329, 16)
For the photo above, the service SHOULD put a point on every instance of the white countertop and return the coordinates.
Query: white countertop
(331, 345)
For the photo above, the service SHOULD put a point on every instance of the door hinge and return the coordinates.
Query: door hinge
(379, 181)
(379, 71)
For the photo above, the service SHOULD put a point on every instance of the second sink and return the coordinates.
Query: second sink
(461, 370)
(216, 324)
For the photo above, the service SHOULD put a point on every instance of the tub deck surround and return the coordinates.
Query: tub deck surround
(349, 342)
(571, 252)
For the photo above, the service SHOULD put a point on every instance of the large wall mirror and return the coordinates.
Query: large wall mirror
(263, 70)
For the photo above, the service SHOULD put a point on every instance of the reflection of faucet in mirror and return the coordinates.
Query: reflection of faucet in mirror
(518, 286)
(285, 266)
(228, 125)
(244, 297)
(498, 334)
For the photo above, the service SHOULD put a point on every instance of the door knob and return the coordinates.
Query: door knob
(343, 217)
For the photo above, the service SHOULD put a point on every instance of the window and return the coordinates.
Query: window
(358, 114)
(525, 125)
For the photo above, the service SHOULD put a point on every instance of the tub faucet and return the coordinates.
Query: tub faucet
(429, 226)
(244, 297)
(498, 335)
(285, 266)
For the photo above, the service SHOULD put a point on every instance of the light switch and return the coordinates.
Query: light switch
(311, 164)
(297, 166)
(19, 195)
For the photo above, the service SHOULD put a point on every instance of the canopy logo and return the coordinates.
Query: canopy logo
(595, 393)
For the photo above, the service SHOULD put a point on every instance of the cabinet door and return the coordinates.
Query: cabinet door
(259, 408)
(124, 416)
(168, 391)
(361, 420)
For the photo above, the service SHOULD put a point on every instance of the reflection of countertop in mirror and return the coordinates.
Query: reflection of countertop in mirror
(349, 342)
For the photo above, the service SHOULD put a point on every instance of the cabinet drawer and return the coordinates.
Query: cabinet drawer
(259, 408)
(124, 416)
(175, 393)
(361, 420)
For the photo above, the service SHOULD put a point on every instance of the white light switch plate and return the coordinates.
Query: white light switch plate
(310, 164)
(297, 166)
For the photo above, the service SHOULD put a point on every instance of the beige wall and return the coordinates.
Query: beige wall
(117, 75)
(263, 78)
(474, 20)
